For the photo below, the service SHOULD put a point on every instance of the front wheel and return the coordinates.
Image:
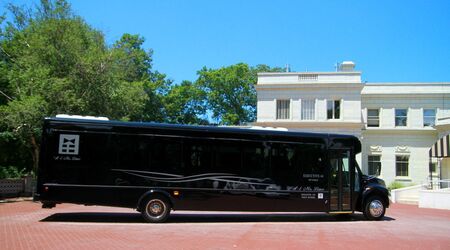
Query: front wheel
(156, 209)
(374, 208)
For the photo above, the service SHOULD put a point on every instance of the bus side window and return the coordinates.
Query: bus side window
(254, 159)
(132, 152)
(197, 156)
(165, 155)
(312, 166)
(285, 164)
(298, 165)
(228, 157)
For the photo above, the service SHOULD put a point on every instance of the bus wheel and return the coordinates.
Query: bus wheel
(374, 208)
(156, 209)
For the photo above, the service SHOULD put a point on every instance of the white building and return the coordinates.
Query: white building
(397, 123)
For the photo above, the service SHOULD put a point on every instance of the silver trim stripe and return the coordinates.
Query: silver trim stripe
(224, 177)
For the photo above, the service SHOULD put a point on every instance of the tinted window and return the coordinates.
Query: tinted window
(284, 164)
(312, 165)
(254, 162)
(298, 166)
(165, 155)
(197, 156)
(92, 164)
(132, 152)
(228, 157)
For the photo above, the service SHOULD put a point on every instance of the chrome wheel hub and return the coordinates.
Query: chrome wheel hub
(156, 208)
(376, 208)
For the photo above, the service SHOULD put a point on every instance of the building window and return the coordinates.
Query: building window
(401, 117)
(429, 117)
(308, 109)
(333, 109)
(373, 118)
(283, 109)
(401, 165)
(374, 165)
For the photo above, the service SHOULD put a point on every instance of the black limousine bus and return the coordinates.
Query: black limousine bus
(156, 168)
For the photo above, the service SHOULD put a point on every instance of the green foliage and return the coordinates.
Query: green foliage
(230, 92)
(134, 95)
(11, 172)
(53, 62)
(131, 62)
(22, 119)
(396, 185)
(185, 104)
(146, 88)
(24, 114)
(265, 68)
(14, 151)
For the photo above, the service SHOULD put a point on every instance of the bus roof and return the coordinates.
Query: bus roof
(203, 128)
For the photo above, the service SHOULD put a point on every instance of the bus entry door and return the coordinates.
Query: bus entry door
(340, 180)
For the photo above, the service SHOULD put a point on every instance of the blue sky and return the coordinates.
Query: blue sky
(390, 41)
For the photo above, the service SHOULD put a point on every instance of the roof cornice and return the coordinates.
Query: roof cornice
(383, 84)
(309, 73)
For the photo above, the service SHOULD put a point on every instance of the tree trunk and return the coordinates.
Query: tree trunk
(34, 153)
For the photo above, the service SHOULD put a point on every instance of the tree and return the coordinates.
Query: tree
(185, 104)
(53, 62)
(230, 92)
(131, 66)
(24, 118)
(26, 81)
(131, 61)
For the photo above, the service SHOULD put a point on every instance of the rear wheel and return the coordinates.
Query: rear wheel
(374, 208)
(156, 209)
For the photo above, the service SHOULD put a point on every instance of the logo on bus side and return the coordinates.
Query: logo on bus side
(68, 144)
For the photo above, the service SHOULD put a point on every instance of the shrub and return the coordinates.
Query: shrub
(11, 172)
(396, 185)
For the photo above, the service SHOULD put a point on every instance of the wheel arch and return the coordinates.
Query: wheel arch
(382, 192)
(154, 192)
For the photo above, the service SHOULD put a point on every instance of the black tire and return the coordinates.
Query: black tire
(374, 208)
(156, 209)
